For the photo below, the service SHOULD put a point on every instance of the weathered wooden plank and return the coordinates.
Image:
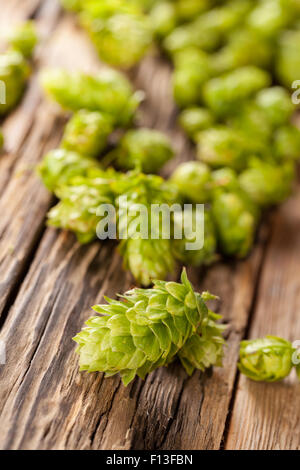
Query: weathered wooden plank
(267, 416)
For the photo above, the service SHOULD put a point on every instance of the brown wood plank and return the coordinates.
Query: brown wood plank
(267, 416)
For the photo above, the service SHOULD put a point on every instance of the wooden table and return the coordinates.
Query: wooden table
(48, 282)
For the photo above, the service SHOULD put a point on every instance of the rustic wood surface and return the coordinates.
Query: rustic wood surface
(48, 282)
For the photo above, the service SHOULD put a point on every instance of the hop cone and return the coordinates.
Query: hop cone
(148, 254)
(146, 329)
(109, 92)
(79, 202)
(186, 249)
(87, 133)
(267, 184)
(288, 57)
(287, 143)
(224, 94)
(145, 149)
(193, 180)
(121, 38)
(60, 166)
(196, 119)
(24, 39)
(268, 359)
(14, 72)
(235, 218)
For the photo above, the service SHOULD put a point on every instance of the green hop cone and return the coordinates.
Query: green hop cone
(194, 120)
(221, 146)
(145, 239)
(60, 166)
(192, 70)
(235, 218)
(254, 124)
(193, 180)
(121, 38)
(14, 72)
(147, 259)
(267, 359)
(277, 105)
(208, 30)
(288, 57)
(198, 245)
(266, 183)
(187, 10)
(77, 210)
(24, 39)
(144, 149)
(244, 47)
(163, 17)
(269, 17)
(287, 143)
(224, 94)
(145, 330)
(224, 178)
(87, 133)
(109, 92)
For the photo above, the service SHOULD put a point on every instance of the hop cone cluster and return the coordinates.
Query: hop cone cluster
(147, 328)
(267, 359)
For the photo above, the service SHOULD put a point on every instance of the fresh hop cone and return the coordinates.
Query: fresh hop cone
(59, 166)
(14, 72)
(266, 183)
(144, 149)
(145, 245)
(79, 203)
(195, 248)
(120, 31)
(109, 92)
(268, 359)
(147, 328)
(87, 133)
(24, 39)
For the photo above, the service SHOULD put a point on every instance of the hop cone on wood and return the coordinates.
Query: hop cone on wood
(146, 329)
(267, 359)
(148, 255)
(14, 72)
(79, 202)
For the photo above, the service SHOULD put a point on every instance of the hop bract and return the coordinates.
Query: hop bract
(268, 359)
(146, 329)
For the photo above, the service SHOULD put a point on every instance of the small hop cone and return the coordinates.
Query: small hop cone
(266, 360)
(144, 330)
